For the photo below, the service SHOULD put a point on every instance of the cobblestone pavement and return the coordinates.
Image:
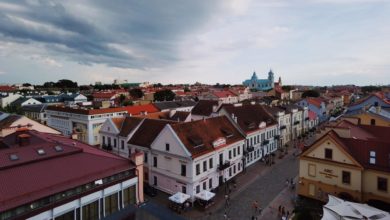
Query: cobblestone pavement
(264, 189)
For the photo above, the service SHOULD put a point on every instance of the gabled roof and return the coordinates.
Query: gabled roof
(180, 116)
(315, 101)
(198, 136)
(249, 117)
(204, 107)
(377, 95)
(128, 125)
(34, 108)
(148, 131)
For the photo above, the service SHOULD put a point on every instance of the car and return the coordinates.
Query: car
(150, 191)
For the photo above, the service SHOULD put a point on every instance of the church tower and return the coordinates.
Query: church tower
(280, 81)
(271, 78)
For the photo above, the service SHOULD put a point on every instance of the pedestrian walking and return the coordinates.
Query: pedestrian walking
(288, 213)
(279, 209)
(287, 182)
(283, 212)
(255, 206)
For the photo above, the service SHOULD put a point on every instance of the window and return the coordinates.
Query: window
(146, 157)
(155, 180)
(66, 216)
(155, 161)
(13, 157)
(382, 184)
(234, 152)
(230, 154)
(109, 141)
(129, 196)
(111, 204)
(184, 189)
(230, 171)
(58, 148)
(204, 185)
(211, 163)
(197, 169)
(104, 140)
(167, 147)
(122, 144)
(234, 169)
(220, 159)
(238, 150)
(91, 211)
(183, 170)
(210, 183)
(312, 170)
(372, 157)
(197, 188)
(205, 166)
(346, 177)
(328, 153)
(115, 143)
(372, 122)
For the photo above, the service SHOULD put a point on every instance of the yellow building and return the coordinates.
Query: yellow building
(353, 165)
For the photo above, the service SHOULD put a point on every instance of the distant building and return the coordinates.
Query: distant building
(260, 84)
(9, 123)
(47, 176)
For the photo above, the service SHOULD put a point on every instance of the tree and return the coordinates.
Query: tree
(370, 89)
(127, 103)
(48, 85)
(310, 93)
(164, 95)
(136, 93)
(26, 84)
(122, 98)
(65, 83)
(287, 88)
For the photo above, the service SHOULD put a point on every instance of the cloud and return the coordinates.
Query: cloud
(128, 34)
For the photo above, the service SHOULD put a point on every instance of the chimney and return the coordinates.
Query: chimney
(138, 159)
(378, 109)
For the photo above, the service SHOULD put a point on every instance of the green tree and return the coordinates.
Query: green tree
(136, 93)
(310, 93)
(164, 95)
(122, 98)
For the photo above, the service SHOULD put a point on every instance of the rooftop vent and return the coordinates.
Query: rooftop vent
(13, 157)
(58, 148)
(41, 151)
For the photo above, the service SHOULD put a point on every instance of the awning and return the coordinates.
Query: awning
(205, 195)
(339, 209)
(179, 197)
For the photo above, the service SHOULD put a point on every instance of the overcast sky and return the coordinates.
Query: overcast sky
(317, 42)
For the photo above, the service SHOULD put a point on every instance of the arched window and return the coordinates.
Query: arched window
(372, 121)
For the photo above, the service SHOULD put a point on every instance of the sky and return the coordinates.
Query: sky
(306, 42)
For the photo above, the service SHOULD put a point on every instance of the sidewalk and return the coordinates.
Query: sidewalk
(244, 180)
(284, 199)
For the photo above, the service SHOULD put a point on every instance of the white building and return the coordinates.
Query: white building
(85, 123)
(283, 118)
(7, 98)
(193, 156)
(259, 128)
(116, 132)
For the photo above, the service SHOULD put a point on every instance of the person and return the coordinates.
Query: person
(279, 209)
(225, 215)
(255, 206)
(288, 213)
(283, 212)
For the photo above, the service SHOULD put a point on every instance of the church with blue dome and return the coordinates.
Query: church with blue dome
(260, 84)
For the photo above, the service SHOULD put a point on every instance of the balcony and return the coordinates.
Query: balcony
(296, 122)
(250, 149)
(265, 142)
(277, 137)
(307, 119)
(224, 165)
(282, 127)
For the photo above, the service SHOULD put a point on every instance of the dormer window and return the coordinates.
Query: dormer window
(372, 157)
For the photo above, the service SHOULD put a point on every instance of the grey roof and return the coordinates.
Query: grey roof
(34, 108)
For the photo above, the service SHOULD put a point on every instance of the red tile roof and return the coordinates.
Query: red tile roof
(138, 109)
(103, 95)
(7, 89)
(312, 115)
(34, 176)
(204, 107)
(206, 132)
(315, 101)
(224, 94)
